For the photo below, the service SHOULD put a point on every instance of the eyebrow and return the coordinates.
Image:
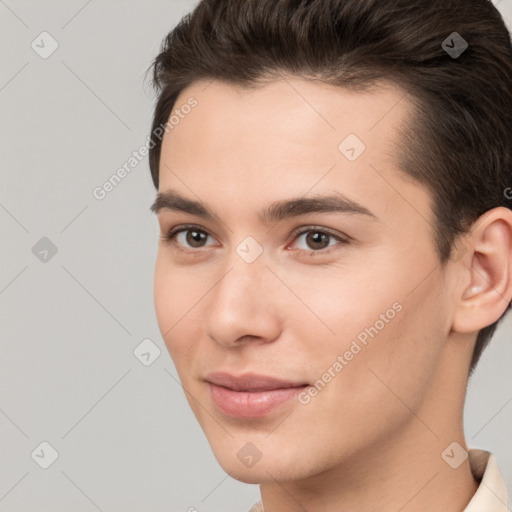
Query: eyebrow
(333, 203)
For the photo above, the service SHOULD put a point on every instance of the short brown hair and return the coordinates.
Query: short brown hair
(459, 143)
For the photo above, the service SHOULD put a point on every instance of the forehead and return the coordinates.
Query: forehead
(291, 118)
(298, 108)
(290, 136)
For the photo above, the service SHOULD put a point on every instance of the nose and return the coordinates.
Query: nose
(245, 304)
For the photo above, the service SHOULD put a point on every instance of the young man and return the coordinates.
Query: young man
(336, 247)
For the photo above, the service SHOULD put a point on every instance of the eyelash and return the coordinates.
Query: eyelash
(170, 238)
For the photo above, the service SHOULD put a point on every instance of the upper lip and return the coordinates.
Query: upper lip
(249, 382)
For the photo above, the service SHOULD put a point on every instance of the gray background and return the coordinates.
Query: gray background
(125, 437)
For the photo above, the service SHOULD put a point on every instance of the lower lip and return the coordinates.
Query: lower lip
(251, 404)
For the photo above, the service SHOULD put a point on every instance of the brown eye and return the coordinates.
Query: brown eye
(317, 239)
(195, 238)
(312, 241)
(188, 238)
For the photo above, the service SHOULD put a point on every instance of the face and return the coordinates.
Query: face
(294, 321)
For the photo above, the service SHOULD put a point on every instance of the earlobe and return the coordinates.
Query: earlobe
(487, 288)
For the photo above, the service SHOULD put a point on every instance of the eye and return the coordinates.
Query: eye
(316, 239)
(311, 240)
(190, 237)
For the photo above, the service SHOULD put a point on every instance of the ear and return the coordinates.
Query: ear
(485, 288)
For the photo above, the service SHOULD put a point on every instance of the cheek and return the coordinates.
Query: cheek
(342, 305)
(163, 290)
(373, 320)
(176, 291)
(175, 297)
(395, 366)
(401, 337)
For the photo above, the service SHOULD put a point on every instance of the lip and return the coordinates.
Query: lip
(250, 382)
(250, 395)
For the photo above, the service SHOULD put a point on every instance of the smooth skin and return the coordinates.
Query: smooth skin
(372, 439)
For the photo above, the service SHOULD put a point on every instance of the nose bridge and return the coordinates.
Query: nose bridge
(241, 303)
(246, 267)
(243, 280)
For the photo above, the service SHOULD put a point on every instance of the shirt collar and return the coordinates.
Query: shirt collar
(491, 495)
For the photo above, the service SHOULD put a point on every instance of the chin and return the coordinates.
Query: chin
(241, 460)
(249, 476)
(267, 469)
(258, 474)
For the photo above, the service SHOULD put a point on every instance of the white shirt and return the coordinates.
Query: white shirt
(491, 495)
